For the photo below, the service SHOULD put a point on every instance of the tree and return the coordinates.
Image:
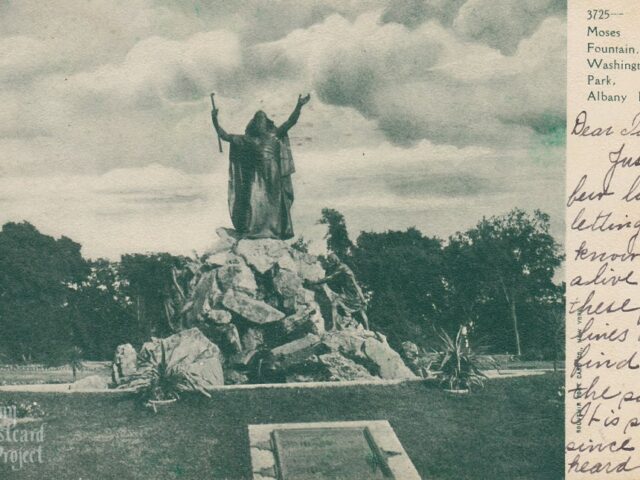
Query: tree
(465, 296)
(337, 236)
(403, 270)
(553, 323)
(512, 256)
(103, 314)
(150, 282)
(35, 273)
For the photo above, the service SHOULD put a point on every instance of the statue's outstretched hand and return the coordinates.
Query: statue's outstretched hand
(303, 100)
(214, 115)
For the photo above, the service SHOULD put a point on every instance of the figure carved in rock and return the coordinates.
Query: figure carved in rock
(346, 296)
(260, 167)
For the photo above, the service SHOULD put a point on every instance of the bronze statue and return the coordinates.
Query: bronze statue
(260, 167)
(346, 296)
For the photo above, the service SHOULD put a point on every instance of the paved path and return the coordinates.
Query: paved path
(67, 387)
(523, 372)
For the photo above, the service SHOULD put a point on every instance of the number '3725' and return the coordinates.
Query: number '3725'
(597, 14)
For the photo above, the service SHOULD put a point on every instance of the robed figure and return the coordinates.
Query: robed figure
(260, 167)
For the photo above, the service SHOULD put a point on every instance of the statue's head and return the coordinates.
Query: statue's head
(259, 125)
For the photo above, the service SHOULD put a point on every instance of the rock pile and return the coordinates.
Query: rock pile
(255, 300)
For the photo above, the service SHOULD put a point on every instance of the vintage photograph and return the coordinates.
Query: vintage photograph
(278, 239)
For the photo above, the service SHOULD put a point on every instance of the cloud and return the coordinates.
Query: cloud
(150, 103)
(413, 13)
(153, 208)
(262, 21)
(439, 189)
(426, 82)
(502, 24)
(157, 69)
(22, 56)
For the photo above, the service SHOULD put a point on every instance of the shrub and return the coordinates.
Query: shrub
(458, 364)
(166, 382)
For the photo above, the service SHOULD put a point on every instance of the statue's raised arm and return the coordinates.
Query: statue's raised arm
(293, 118)
(216, 124)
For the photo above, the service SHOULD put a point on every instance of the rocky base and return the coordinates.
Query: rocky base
(253, 299)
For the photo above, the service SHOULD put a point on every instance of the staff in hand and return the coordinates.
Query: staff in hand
(214, 113)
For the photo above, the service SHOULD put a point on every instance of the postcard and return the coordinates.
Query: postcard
(314, 239)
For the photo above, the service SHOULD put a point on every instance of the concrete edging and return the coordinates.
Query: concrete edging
(65, 387)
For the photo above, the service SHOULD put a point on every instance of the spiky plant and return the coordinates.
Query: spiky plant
(165, 380)
(458, 364)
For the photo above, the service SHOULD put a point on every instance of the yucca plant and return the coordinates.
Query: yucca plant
(458, 364)
(166, 380)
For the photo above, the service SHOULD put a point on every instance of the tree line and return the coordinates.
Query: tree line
(52, 299)
(496, 279)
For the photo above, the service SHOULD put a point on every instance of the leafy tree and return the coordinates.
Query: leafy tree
(403, 270)
(103, 314)
(512, 257)
(466, 297)
(149, 280)
(337, 236)
(551, 332)
(35, 271)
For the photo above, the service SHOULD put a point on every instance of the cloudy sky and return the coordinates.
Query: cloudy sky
(427, 113)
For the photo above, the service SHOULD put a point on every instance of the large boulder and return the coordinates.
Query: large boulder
(347, 342)
(238, 277)
(339, 368)
(219, 317)
(228, 337)
(304, 321)
(233, 377)
(307, 266)
(219, 259)
(262, 254)
(205, 297)
(371, 350)
(295, 352)
(388, 362)
(343, 354)
(288, 286)
(218, 253)
(255, 311)
(190, 352)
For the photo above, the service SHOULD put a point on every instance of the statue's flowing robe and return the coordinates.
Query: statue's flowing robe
(260, 187)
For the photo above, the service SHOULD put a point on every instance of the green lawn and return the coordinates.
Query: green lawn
(513, 429)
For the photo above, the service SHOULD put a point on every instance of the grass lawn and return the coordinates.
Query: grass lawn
(513, 429)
